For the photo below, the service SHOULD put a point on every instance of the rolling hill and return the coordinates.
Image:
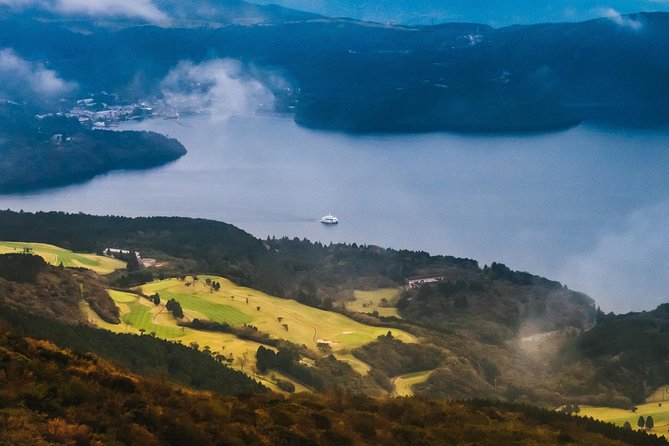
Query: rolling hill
(483, 332)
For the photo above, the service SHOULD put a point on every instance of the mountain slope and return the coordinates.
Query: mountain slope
(51, 396)
(627, 354)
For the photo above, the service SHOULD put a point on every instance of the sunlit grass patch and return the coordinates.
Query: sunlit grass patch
(382, 301)
(56, 256)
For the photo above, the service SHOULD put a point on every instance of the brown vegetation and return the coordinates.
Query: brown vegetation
(49, 396)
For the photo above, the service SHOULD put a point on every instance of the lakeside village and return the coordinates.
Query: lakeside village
(104, 110)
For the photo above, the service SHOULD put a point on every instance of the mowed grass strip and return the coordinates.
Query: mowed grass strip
(213, 311)
(56, 255)
(303, 324)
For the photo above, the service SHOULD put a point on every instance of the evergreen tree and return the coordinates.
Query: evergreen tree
(174, 307)
(650, 423)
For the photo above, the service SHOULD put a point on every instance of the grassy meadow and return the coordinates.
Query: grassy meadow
(370, 301)
(281, 318)
(237, 306)
(55, 256)
(659, 410)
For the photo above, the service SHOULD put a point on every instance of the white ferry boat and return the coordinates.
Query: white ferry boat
(329, 220)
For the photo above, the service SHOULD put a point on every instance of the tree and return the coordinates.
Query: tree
(258, 308)
(650, 423)
(280, 319)
(132, 261)
(641, 423)
(265, 359)
(174, 307)
(285, 327)
(627, 425)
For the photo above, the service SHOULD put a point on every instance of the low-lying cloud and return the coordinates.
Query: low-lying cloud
(18, 76)
(143, 9)
(621, 20)
(628, 268)
(219, 88)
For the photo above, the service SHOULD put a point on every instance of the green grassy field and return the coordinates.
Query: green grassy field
(658, 410)
(238, 305)
(403, 383)
(306, 325)
(370, 301)
(55, 256)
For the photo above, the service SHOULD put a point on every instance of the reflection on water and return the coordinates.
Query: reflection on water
(586, 207)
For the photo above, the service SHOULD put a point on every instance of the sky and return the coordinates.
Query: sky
(493, 12)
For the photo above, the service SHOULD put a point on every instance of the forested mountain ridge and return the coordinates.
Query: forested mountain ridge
(475, 315)
(360, 77)
(311, 273)
(628, 353)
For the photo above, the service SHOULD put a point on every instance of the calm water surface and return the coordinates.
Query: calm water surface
(585, 206)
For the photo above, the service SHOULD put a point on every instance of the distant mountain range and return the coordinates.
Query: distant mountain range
(361, 77)
(161, 12)
(337, 74)
(498, 13)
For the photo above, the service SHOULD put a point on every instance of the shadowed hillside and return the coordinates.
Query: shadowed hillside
(51, 396)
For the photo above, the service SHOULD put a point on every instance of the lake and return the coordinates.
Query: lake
(586, 206)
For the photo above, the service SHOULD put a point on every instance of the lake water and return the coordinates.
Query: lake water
(585, 206)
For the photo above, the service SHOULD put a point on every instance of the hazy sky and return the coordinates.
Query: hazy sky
(493, 12)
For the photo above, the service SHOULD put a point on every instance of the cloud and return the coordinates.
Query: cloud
(624, 21)
(220, 88)
(628, 269)
(144, 9)
(17, 75)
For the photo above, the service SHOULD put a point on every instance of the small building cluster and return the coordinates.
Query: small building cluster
(417, 282)
(144, 262)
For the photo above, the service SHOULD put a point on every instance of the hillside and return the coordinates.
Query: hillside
(51, 396)
(628, 355)
(484, 328)
(311, 273)
(27, 283)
